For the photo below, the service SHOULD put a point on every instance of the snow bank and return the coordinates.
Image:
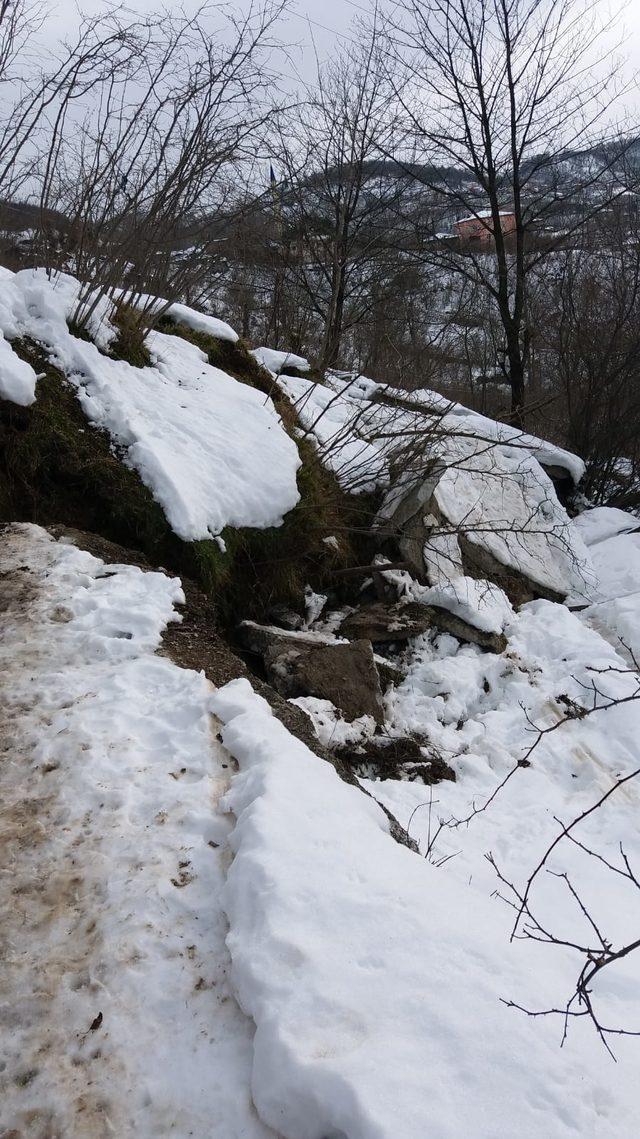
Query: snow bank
(614, 544)
(277, 362)
(212, 450)
(374, 977)
(480, 603)
(339, 426)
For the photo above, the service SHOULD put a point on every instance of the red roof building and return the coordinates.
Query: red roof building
(478, 228)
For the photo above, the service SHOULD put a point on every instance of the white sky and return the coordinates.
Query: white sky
(316, 25)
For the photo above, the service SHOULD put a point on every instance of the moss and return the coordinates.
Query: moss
(56, 468)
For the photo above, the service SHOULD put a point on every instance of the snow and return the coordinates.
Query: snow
(17, 378)
(481, 603)
(375, 977)
(331, 729)
(333, 420)
(277, 362)
(602, 522)
(486, 214)
(202, 322)
(614, 544)
(212, 450)
(487, 479)
(114, 863)
(506, 504)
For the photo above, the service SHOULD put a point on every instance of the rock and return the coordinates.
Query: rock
(381, 622)
(399, 622)
(402, 758)
(488, 512)
(388, 672)
(286, 618)
(307, 664)
(448, 622)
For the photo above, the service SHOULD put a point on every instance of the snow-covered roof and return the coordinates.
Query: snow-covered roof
(485, 214)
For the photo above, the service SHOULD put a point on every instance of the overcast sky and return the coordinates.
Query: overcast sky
(318, 25)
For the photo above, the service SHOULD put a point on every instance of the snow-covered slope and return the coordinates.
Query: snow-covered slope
(376, 979)
(212, 450)
(486, 479)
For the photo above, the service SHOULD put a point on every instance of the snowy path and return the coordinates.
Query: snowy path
(113, 937)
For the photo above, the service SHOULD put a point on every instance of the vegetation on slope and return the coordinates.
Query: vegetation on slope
(58, 469)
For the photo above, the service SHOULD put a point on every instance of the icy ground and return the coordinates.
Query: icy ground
(116, 1013)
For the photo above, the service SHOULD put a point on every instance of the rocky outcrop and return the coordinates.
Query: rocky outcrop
(304, 664)
(491, 514)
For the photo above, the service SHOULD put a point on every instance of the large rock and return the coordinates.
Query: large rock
(307, 664)
(487, 511)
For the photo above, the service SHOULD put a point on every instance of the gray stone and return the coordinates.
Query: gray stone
(307, 664)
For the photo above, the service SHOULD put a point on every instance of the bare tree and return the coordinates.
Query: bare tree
(337, 205)
(589, 308)
(501, 102)
(145, 162)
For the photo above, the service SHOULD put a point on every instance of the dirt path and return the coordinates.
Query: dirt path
(116, 1016)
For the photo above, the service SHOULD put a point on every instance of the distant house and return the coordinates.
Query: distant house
(478, 228)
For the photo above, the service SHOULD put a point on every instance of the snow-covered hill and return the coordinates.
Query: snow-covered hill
(218, 924)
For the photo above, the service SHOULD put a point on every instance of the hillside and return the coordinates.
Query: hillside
(319, 794)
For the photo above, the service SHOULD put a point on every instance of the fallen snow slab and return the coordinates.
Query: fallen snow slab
(374, 977)
(116, 1014)
(202, 322)
(212, 450)
(335, 421)
(277, 362)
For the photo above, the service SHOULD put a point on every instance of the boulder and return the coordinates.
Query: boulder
(487, 511)
(307, 664)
